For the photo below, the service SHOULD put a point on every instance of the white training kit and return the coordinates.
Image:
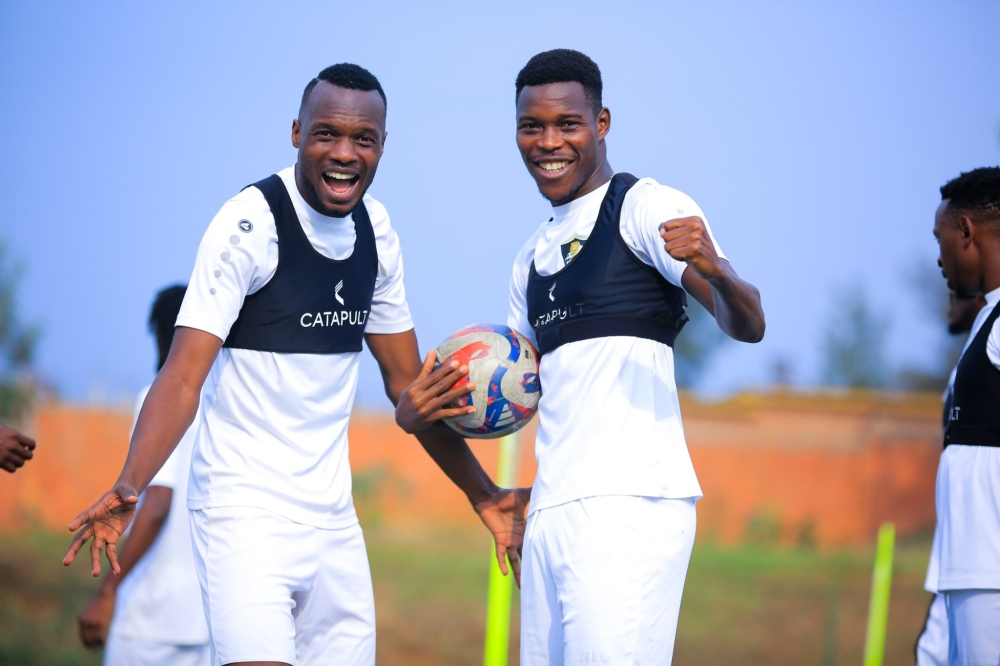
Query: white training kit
(609, 439)
(602, 579)
(932, 645)
(965, 561)
(273, 437)
(277, 590)
(159, 618)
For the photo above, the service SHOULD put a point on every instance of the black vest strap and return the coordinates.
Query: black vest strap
(974, 419)
(606, 290)
(312, 304)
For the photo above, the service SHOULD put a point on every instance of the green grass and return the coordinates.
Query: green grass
(747, 605)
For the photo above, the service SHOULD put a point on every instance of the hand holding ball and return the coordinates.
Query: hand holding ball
(503, 365)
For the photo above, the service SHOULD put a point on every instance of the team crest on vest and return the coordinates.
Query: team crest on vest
(571, 248)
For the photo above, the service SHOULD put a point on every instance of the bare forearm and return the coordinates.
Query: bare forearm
(451, 453)
(167, 413)
(737, 307)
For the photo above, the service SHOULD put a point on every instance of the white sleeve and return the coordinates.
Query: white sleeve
(167, 476)
(648, 205)
(390, 312)
(233, 261)
(993, 344)
(517, 318)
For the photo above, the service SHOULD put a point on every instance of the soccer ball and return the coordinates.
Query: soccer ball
(504, 367)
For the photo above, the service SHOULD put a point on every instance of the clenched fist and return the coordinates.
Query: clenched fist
(686, 239)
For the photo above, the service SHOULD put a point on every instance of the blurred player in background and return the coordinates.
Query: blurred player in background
(932, 645)
(15, 449)
(967, 550)
(155, 600)
(293, 273)
(601, 289)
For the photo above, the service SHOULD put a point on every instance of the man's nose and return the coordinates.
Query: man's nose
(550, 139)
(342, 151)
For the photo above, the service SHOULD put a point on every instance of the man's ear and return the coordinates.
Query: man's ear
(296, 132)
(603, 123)
(966, 230)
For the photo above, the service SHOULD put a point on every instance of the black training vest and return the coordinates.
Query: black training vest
(312, 304)
(605, 290)
(975, 412)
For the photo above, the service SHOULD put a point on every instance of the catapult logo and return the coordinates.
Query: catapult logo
(246, 226)
(334, 317)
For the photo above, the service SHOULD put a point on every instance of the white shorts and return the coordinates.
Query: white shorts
(277, 590)
(124, 651)
(974, 627)
(932, 646)
(602, 579)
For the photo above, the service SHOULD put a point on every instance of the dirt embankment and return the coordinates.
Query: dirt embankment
(810, 469)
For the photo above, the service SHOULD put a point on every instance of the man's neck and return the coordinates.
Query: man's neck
(596, 181)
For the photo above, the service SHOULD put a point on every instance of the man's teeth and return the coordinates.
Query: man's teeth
(339, 176)
(553, 166)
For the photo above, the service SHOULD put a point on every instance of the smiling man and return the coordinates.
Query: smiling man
(291, 275)
(601, 288)
(965, 563)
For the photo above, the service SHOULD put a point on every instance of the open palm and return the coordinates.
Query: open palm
(105, 522)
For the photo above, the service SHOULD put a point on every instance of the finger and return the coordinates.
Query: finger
(691, 221)
(515, 562)
(112, 552)
(126, 493)
(25, 440)
(428, 366)
(451, 396)
(684, 248)
(25, 453)
(446, 375)
(79, 539)
(7, 466)
(450, 413)
(502, 559)
(82, 519)
(95, 556)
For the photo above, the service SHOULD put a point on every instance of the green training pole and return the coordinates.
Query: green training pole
(501, 587)
(878, 609)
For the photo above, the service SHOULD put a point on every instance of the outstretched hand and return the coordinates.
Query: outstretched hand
(429, 399)
(105, 522)
(503, 513)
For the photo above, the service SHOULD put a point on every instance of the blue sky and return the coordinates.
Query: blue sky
(813, 135)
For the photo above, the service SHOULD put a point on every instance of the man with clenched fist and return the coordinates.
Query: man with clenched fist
(601, 288)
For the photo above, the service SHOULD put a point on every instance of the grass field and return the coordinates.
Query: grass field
(747, 605)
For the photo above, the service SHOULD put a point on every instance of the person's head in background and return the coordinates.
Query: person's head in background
(967, 228)
(162, 316)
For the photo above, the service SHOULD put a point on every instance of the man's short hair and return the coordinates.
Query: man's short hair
(345, 75)
(976, 193)
(563, 66)
(163, 316)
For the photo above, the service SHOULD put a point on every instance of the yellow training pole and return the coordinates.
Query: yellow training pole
(501, 587)
(878, 610)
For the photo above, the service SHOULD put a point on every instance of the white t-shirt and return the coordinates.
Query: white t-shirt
(966, 547)
(609, 422)
(160, 599)
(274, 426)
